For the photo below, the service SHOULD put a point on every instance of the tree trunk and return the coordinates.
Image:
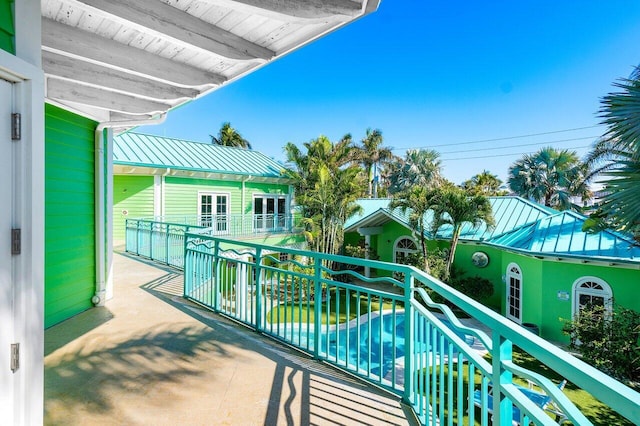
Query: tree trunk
(423, 242)
(375, 181)
(452, 253)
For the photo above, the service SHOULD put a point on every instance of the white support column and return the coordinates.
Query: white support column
(367, 232)
(23, 391)
(367, 244)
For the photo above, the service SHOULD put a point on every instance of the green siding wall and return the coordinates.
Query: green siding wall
(7, 27)
(69, 214)
(493, 271)
(133, 194)
(181, 195)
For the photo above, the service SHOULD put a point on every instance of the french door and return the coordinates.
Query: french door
(269, 213)
(514, 293)
(214, 212)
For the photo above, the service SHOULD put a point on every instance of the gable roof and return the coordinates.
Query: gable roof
(521, 225)
(157, 152)
(509, 213)
(369, 206)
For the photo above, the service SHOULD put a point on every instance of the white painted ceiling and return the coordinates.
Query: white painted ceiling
(122, 60)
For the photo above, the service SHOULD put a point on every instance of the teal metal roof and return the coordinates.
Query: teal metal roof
(562, 234)
(369, 206)
(521, 225)
(136, 149)
(509, 213)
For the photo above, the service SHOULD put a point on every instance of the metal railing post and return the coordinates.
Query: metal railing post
(317, 305)
(215, 274)
(408, 338)
(187, 268)
(502, 405)
(166, 244)
(258, 285)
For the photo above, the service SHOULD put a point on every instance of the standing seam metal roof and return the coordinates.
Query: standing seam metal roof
(137, 149)
(525, 226)
(562, 234)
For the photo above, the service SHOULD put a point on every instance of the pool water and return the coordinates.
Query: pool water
(372, 346)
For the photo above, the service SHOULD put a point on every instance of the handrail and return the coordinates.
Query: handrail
(425, 360)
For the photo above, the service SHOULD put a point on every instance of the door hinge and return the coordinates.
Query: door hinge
(16, 241)
(16, 126)
(15, 356)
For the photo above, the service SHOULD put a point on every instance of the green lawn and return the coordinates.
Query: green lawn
(305, 310)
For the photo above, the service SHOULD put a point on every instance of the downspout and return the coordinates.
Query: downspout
(104, 204)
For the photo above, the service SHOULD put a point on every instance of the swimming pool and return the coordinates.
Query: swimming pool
(373, 344)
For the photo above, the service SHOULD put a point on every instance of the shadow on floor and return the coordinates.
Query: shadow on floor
(155, 358)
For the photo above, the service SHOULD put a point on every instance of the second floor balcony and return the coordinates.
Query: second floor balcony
(389, 330)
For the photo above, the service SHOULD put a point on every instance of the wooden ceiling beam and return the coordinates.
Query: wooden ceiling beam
(111, 79)
(64, 39)
(305, 9)
(167, 21)
(63, 90)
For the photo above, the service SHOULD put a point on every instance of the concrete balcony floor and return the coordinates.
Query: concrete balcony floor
(151, 358)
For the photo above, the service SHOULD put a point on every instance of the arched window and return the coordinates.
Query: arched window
(403, 247)
(591, 291)
(514, 293)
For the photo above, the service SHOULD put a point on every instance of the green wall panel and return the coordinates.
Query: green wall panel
(69, 214)
(181, 195)
(493, 271)
(7, 26)
(133, 194)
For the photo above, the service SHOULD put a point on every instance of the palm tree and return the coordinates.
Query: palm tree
(550, 177)
(420, 167)
(617, 156)
(373, 156)
(228, 136)
(484, 183)
(455, 207)
(327, 186)
(417, 201)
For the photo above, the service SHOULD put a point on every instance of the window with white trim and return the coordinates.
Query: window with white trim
(514, 293)
(403, 248)
(591, 291)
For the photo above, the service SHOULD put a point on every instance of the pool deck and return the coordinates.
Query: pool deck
(150, 357)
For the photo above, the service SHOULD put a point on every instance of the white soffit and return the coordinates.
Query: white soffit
(122, 60)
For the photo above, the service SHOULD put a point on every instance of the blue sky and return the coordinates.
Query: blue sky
(437, 74)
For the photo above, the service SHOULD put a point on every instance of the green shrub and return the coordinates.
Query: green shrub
(608, 341)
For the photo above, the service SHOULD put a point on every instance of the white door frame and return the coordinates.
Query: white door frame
(516, 276)
(27, 385)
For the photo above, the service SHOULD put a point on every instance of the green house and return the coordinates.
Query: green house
(237, 192)
(543, 266)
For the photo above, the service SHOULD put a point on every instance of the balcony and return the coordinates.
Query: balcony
(387, 331)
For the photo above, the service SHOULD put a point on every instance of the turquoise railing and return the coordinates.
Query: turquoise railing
(159, 241)
(400, 340)
(161, 238)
